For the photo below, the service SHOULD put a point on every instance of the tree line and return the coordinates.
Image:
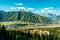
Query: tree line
(19, 35)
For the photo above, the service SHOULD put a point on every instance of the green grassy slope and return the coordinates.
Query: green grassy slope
(23, 16)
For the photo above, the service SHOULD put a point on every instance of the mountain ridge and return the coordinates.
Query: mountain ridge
(24, 16)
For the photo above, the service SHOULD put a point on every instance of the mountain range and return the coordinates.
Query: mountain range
(25, 16)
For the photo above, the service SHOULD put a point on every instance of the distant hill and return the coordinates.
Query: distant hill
(52, 16)
(49, 15)
(58, 18)
(23, 16)
(1, 14)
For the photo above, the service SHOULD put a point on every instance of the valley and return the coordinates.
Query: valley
(21, 25)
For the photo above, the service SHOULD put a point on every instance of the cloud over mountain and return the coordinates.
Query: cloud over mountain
(12, 8)
(48, 10)
(19, 6)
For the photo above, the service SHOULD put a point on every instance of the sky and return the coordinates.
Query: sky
(35, 6)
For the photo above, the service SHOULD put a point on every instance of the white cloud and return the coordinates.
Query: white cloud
(37, 11)
(45, 11)
(18, 3)
(12, 8)
(42, 10)
(46, 8)
(30, 9)
(50, 11)
(21, 8)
